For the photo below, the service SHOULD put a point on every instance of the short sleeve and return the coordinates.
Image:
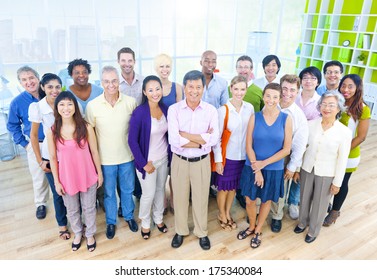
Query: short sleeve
(366, 112)
(34, 113)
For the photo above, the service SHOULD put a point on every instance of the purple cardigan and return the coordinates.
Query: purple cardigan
(140, 133)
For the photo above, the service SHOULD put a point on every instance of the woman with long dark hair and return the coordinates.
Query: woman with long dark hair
(356, 117)
(76, 167)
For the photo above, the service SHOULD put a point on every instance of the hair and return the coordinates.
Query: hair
(80, 132)
(292, 79)
(333, 63)
(126, 50)
(109, 68)
(160, 59)
(194, 75)
(238, 79)
(77, 62)
(312, 71)
(339, 99)
(145, 82)
(274, 86)
(355, 109)
(46, 78)
(26, 68)
(245, 58)
(270, 58)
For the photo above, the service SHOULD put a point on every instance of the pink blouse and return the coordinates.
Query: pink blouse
(77, 172)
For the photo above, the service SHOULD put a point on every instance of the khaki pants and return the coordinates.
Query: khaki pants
(196, 175)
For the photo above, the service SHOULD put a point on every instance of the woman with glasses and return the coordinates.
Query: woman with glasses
(323, 164)
(357, 119)
(307, 100)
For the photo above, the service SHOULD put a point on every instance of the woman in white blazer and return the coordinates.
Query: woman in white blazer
(324, 164)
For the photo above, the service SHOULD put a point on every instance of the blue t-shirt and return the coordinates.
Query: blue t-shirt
(268, 140)
(171, 98)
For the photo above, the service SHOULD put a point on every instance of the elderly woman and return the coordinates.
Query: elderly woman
(323, 164)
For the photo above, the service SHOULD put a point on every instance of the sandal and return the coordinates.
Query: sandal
(145, 235)
(77, 246)
(244, 233)
(163, 228)
(64, 234)
(232, 223)
(256, 241)
(91, 247)
(223, 225)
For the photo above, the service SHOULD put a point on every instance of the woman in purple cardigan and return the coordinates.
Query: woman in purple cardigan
(148, 141)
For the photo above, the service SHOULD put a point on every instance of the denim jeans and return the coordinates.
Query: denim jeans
(60, 210)
(294, 193)
(124, 174)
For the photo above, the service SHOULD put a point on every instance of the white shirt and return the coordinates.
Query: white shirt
(299, 137)
(158, 144)
(327, 151)
(262, 82)
(237, 124)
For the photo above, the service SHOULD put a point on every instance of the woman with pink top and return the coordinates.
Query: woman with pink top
(76, 167)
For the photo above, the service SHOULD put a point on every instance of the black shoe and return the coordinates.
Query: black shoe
(298, 229)
(133, 225)
(205, 243)
(177, 241)
(241, 200)
(309, 239)
(41, 212)
(120, 215)
(276, 225)
(110, 231)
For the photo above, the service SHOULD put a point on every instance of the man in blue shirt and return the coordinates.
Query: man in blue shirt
(19, 126)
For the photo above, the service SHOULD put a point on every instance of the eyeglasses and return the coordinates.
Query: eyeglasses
(332, 72)
(330, 106)
(244, 67)
(309, 78)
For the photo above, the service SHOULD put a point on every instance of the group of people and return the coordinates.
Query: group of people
(272, 141)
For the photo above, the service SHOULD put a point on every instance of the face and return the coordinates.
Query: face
(271, 98)
(52, 89)
(163, 70)
(329, 107)
(126, 63)
(238, 90)
(333, 76)
(80, 75)
(153, 91)
(271, 69)
(289, 94)
(309, 82)
(244, 68)
(29, 82)
(66, 108)
(194, 91)
(208, 63)
(348, 88)
(110, 83)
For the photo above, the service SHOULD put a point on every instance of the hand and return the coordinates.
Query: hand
(44, 166)
(219, 168)
(183, 134)
(149, 167)
(100, 180)
(288, 174)
(334, 189)
(296, 177)
(259, 180)
(59, 189)
(257, 165)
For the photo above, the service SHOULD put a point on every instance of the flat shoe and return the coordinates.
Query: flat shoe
(256, 241)
(244, 233)
(309, 239)
(298, 229)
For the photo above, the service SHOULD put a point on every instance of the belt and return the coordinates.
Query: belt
(194, 159)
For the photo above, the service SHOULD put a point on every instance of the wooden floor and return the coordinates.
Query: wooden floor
(353, 237)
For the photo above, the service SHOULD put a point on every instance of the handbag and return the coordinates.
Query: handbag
(224, 141)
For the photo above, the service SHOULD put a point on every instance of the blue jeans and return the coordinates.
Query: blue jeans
(60, 210)
(294, 194)
(124, 174)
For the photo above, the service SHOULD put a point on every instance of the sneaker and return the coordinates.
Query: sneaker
(293, 211)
